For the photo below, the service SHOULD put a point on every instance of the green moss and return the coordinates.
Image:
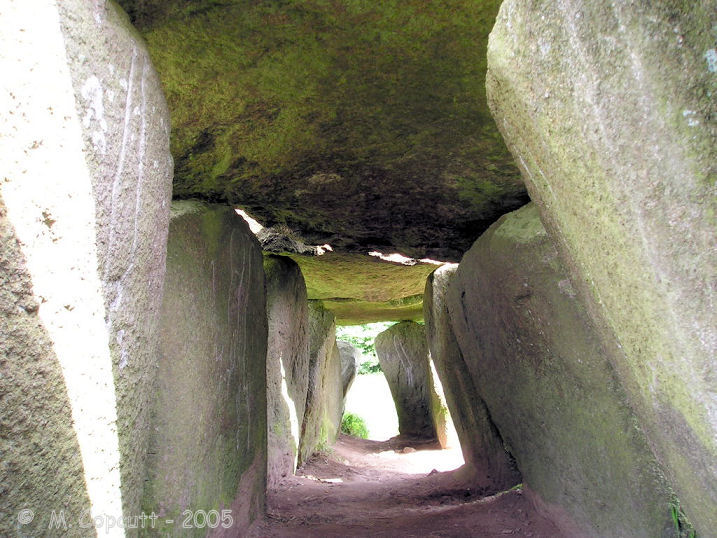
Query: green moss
(362, 289)
(352, 424)
(360, 312)
(355, 276)
(266, 95)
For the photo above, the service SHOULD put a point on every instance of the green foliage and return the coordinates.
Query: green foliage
(363, 337)
(683, 528)
(369, 367)
(354, 425)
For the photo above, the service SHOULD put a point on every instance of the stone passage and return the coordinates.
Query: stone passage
(537, 361)
(403, 354)
(576, 340)
(287, 363)
(484, 452)
(208, 444)
(609, 110)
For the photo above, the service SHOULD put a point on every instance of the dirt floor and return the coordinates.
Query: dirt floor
(381, 489)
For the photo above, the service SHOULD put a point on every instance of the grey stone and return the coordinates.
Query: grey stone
(609, 110)
(487, 461)
(537, 361)
(86, 184)
(287, 363)
(403, 355)
(208, 445)
(349, 365)
(324, 400)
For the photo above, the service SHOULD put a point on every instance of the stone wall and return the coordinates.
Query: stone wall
(85, 191)
(489, 465)
(609, 111)
(287, 363)
(539, 364)
(324, 400)
(209, 415)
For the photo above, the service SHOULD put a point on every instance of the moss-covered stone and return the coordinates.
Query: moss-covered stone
(208, 445)
(364, 289)
(539, 364)
(610, 112)
(358, 123)
(287, 363)
(324, 400)
(488, 463)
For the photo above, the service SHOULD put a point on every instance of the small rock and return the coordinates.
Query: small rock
(408, 450)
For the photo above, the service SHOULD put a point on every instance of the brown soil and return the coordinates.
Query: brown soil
(372, 488)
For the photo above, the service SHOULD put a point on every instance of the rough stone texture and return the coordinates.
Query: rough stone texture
(287, 363)
(610, 111)
(360, 289)
(324, 400)
(483, 451)
(538, 363)
(86, 180)
(439, 407)
(209, 416)
(349, 366)
(359, 124)
(36, 419)
(402, 352)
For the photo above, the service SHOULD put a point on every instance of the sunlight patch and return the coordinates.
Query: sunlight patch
(254, 225)
(403, 260)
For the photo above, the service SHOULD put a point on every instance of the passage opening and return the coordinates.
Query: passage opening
(371, 413)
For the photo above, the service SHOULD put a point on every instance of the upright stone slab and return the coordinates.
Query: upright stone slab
(490, 466)
(609, 110)
(208, 445)
(402, 352)
(85, 185)
(349, 365)
(287, 363)
(324, 400)
(538, 362)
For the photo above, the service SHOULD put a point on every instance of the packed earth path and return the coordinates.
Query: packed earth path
(394, 488)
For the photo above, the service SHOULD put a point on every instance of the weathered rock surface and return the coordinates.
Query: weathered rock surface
(86, 179)
(402, 352)
(349, 356)
(324, 400)
(321, 116)
(359, 289)
(287, 363)
(610, 112)
(539, 364)
(208, 445)
(483, 450)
